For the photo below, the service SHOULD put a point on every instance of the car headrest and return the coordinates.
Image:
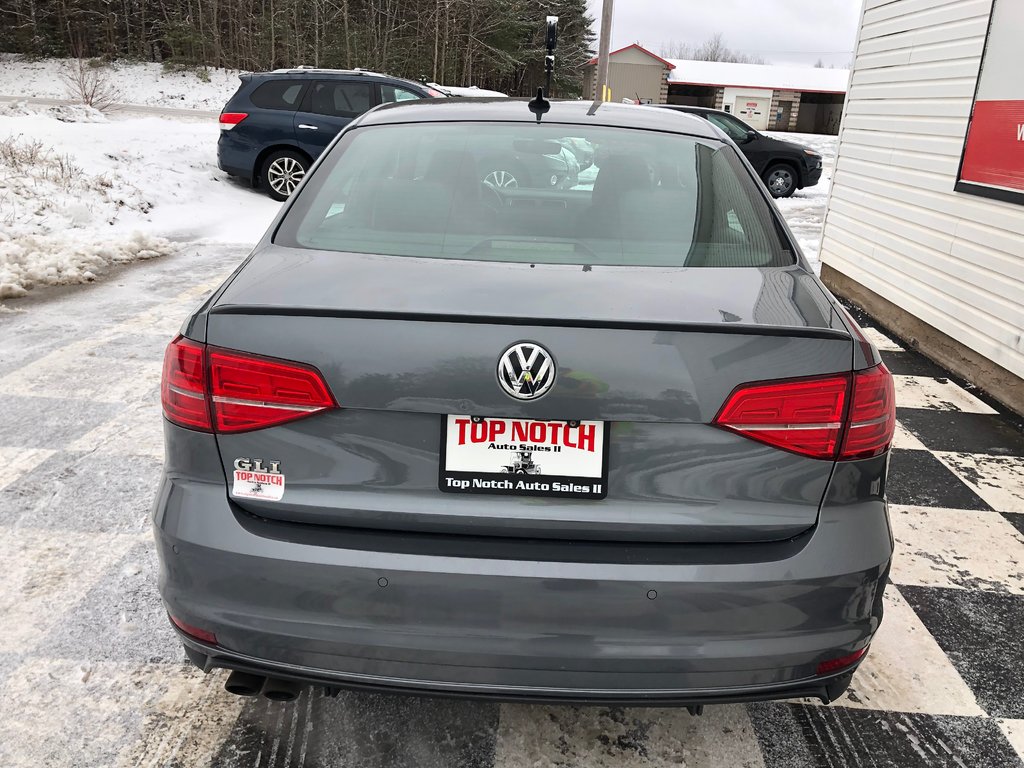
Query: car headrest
(618, 174)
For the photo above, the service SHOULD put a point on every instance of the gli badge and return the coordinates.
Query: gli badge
(526, 370)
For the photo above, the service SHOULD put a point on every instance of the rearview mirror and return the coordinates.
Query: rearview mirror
(751, 135)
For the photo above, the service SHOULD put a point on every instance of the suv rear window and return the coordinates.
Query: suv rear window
(278, 94)
(442, 190)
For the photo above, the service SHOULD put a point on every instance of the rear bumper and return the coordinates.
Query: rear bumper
(208, 658)
(730, 627)
(234, 156)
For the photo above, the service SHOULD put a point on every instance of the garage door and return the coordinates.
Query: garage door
(753, 110)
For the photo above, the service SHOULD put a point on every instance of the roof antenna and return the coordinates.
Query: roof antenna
(539, 105)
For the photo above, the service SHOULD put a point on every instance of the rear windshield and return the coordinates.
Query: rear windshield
(546, 194)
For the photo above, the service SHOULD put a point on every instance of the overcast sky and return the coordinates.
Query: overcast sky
(781, 31)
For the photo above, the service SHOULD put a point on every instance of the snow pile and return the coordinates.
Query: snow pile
(80, 193)
(28, 261)
(136, 82)
(66, 113)
(48, 206)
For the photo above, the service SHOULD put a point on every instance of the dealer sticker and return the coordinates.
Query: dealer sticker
(249, 484)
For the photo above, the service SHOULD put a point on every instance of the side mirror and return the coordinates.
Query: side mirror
(751, 135)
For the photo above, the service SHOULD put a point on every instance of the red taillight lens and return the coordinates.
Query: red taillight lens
(229, 120)
(183, 386)
(241, 391)
(254, 392)
(196, 632)
(804, 416)
(872, 419)
(834, 665)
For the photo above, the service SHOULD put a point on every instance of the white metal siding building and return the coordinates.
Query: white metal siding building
(942, 269)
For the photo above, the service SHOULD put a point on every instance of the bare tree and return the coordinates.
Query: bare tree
(676, 49)
(88, 81)
(712, 49)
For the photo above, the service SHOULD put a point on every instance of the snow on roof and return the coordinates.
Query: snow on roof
(470, 92)
(759, 76)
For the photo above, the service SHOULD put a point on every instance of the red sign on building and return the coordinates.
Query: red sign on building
(993, 158)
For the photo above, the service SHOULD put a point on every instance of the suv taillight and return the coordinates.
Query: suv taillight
(221, 390)
(229, 120)
(817, 416)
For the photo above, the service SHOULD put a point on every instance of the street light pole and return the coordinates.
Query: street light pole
(603, 92)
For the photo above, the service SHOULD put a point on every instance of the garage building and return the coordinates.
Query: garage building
(766, 96)
(925, 222)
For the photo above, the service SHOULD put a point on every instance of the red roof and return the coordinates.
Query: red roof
(640, 48)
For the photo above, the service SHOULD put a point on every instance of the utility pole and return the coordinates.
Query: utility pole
(603, 91)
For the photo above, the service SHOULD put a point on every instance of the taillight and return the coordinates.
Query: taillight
(183, 386)
(837, 417)
(199, 634)
(804, 416)
(834, 665)
(212, 389)
(872, 419)
(229, 120)
(251, 392)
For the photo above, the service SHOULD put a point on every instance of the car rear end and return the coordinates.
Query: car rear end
(440, 453)
(236, 152)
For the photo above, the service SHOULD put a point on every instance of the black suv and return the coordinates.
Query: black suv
(784, 166)
(279, 122)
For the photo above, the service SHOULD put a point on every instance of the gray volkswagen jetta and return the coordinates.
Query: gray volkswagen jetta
(614, 443)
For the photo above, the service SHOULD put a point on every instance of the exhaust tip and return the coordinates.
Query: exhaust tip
(281, 690)
(243, 684)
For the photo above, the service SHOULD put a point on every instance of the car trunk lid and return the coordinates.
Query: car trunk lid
(405, 344)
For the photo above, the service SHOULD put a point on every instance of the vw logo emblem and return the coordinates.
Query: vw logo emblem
(526, 371)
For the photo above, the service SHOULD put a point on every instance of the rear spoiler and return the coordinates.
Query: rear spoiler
(751, 329)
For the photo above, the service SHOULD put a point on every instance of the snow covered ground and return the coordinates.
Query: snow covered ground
(80, 193)
(805, 210)
(137, 83)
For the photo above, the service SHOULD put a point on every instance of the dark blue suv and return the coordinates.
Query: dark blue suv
(278, 123)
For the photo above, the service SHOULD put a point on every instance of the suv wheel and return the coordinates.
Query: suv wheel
(282, 172)
(780, 180)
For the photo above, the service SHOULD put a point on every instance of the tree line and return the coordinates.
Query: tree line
(496, 44)
(713, 48)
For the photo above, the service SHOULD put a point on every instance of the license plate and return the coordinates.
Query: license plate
(522, 457)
